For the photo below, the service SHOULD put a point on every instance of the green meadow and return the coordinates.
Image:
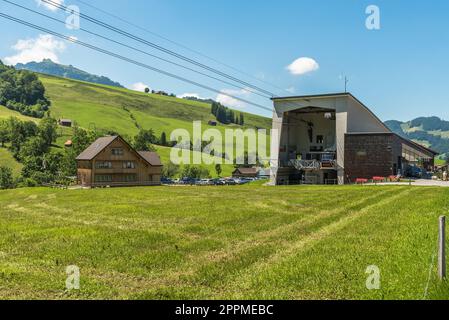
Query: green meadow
(244, 242)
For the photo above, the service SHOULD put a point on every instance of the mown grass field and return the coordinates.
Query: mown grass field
(249, 242)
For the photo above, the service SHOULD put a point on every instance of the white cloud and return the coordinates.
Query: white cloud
(291, 90)
(139, 86)
(193, 95)
(225, 99)
(43, 47)
(48, 5)
(302, 66)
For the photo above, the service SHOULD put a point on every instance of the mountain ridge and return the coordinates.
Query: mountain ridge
(431, 132)
(47, 66)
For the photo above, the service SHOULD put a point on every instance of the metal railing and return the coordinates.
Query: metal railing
(313, 165)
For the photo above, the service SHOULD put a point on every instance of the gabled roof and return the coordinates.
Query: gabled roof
(95, 148)
(333, 95)
(151, 157)
(247, 170)
(314, 96)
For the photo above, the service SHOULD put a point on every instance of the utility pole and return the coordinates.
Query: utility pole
(346, 84)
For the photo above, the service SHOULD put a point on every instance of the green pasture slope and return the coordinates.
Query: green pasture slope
(103, 107)
(249, 242)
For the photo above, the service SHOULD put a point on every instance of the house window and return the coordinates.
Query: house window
(117, 152)
(320, 139)
(101, 178)
(104, 165)
(128, 178)
(129, 165)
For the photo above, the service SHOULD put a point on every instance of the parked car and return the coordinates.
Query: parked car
(205, 182)
(414, 172)
(219, 182)
(167, 181)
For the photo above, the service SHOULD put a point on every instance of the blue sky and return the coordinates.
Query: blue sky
(399, 71)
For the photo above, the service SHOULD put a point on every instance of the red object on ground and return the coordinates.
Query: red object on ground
(362, 181)
(378, 178)
(393, 178)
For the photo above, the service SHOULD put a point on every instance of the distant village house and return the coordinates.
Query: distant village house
(245, 173)
(111, 161)
(65, 123)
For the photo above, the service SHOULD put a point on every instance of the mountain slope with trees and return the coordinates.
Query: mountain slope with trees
(432, 132)
(22, 91)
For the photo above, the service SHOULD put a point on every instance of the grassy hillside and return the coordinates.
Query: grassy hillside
(7, 160)
(257, 242)
(5, 113)
(99, 106)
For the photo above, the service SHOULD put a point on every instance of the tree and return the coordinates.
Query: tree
(170, 170)
(242, 119)
(33, 147)
(22, 91)
(163, 141)
(19, 132)
(194, 172)
(144, 139)
(48, 130)
(6, 178)
(218, 169)
(4, 132)
(147, 90)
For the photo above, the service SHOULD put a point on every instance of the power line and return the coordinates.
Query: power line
(137, 50)
(160, 48)
(118, 56)
(178, 44)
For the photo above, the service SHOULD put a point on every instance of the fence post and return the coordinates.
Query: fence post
(442, 249)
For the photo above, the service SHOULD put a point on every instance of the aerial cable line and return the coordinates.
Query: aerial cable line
(155, 46)
(178, 44)
(138, 50)
(115, 55)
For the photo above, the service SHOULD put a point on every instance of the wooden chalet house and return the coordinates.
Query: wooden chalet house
(111, 161)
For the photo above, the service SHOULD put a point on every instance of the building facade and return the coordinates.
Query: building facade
(334, 139)
(111, 161)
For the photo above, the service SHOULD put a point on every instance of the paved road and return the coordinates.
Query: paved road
(421, 183)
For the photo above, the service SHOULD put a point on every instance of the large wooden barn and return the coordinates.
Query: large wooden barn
(111, 161)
